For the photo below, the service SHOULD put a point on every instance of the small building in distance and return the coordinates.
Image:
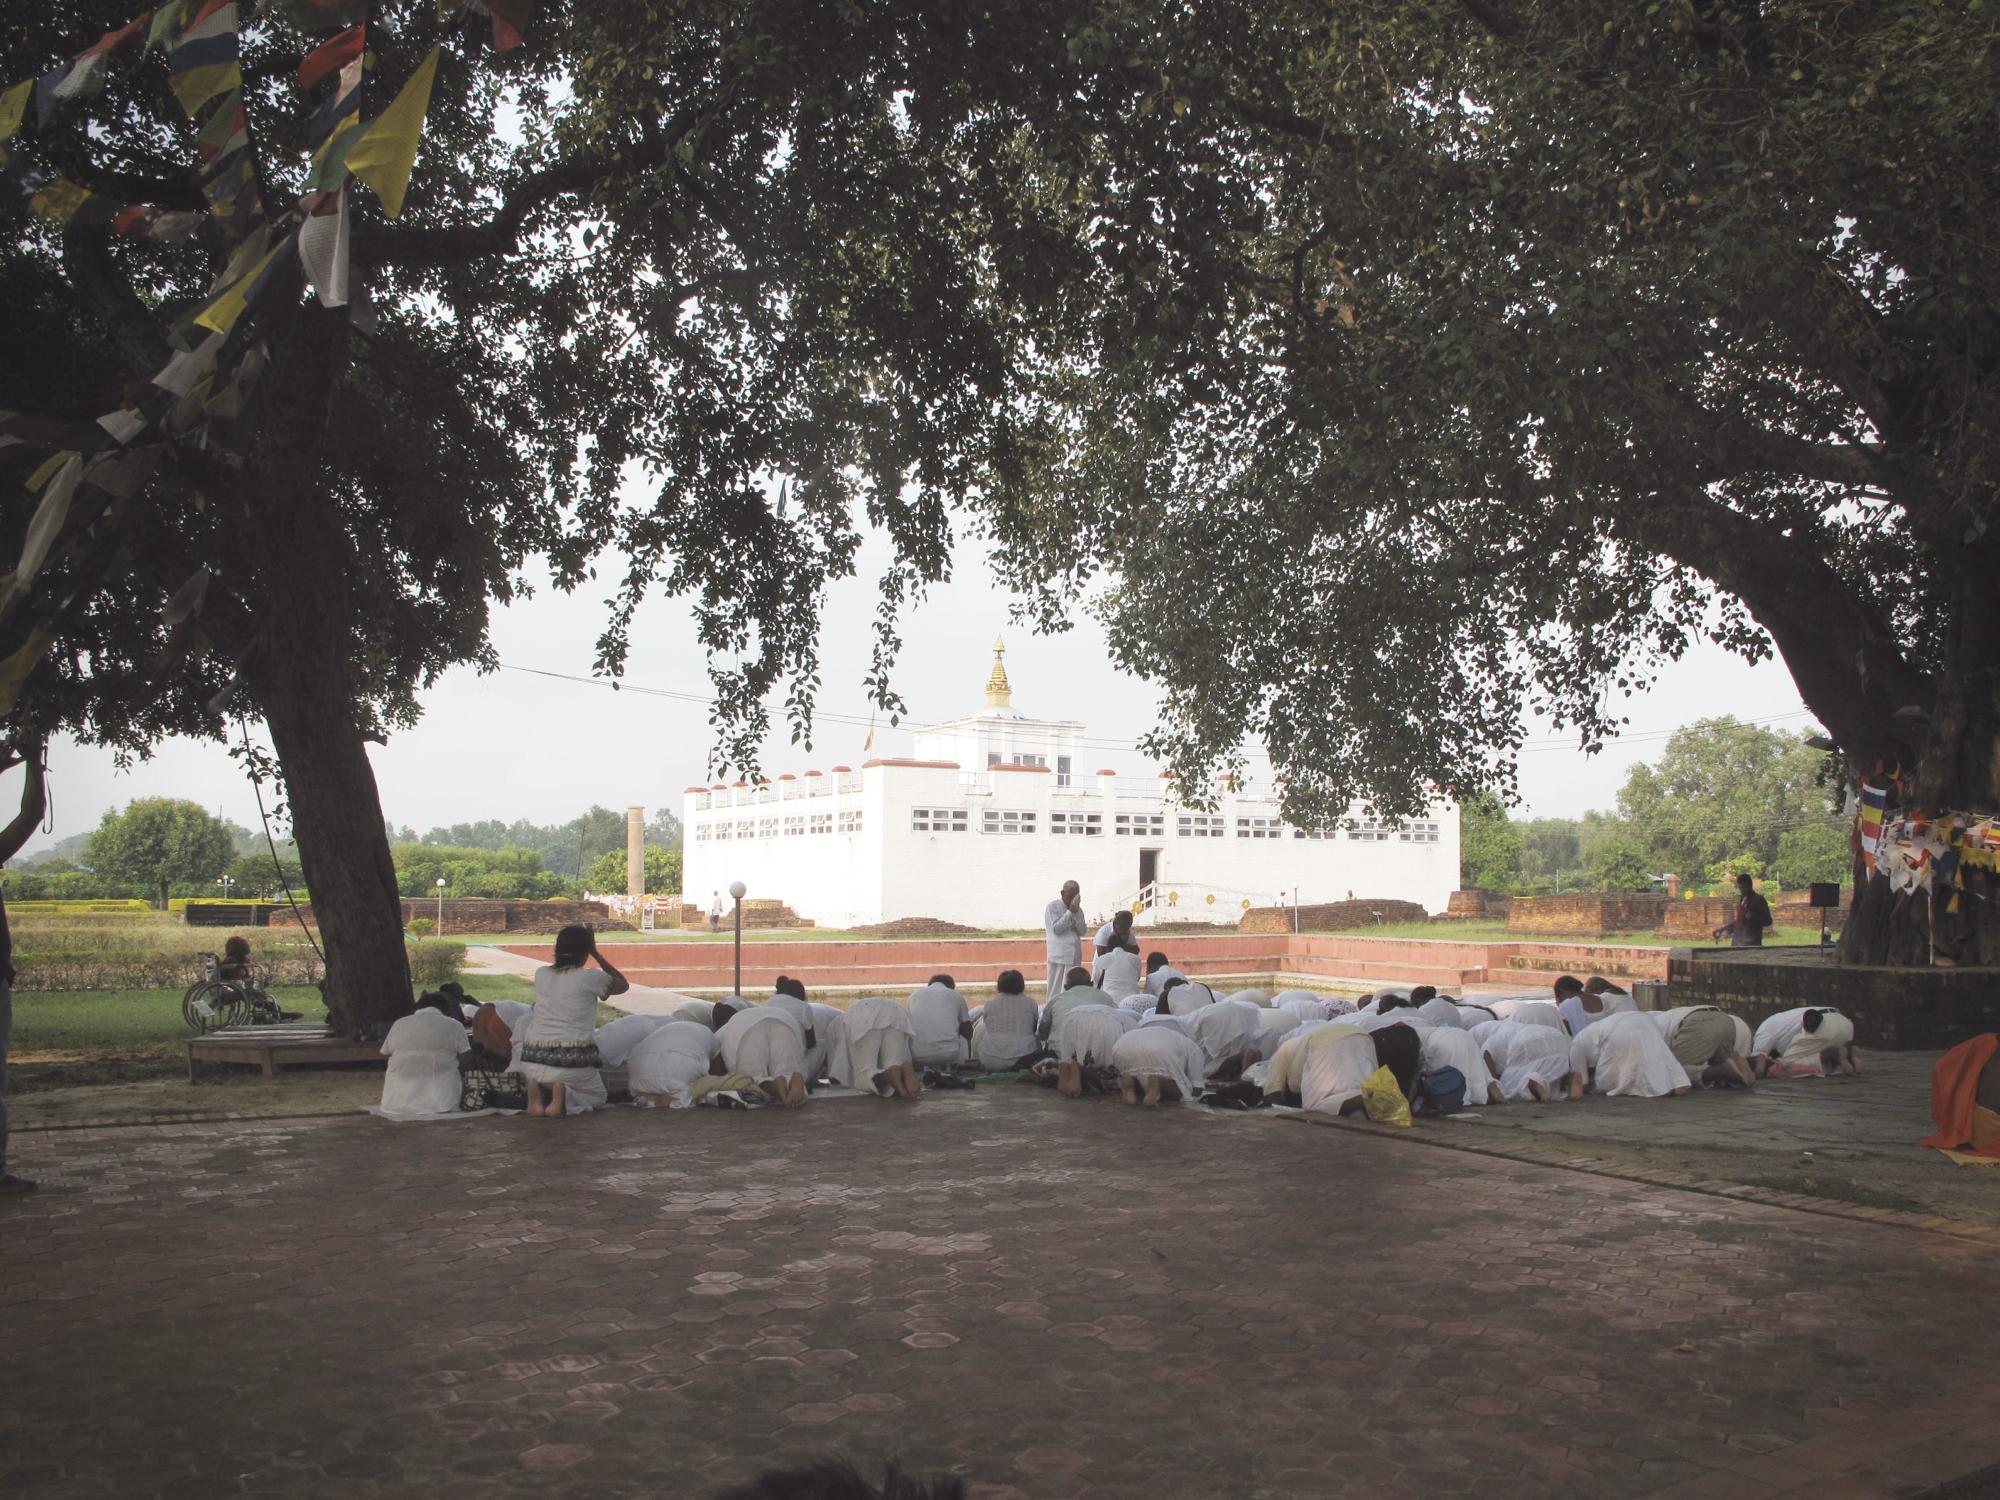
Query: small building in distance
(992, 812)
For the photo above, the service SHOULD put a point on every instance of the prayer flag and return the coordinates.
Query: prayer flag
(1874, 802)
(81, 77)
(331, 55)
(205, 61)
(48, 519)
(323, 248)
(509, 19)
(13, 105)
(320, 15)
(234, 300)
(386, 153)
(59, 200)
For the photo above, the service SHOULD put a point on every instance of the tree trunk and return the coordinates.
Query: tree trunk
(299, 675)
(166, 894)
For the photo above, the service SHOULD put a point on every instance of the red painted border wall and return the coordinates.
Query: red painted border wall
(903, 965)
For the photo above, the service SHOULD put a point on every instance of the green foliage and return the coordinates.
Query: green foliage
(1489, 847)
(1722, 789)
(1816, 852)
(1723, 872)
(1618, 863)
(423, 926)
(161, 842)
(501, 874)
(663, 872)
(433, 961)
(1551, 856)
(144, 950)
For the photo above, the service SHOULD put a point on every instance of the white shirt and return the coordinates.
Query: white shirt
(616, 1039)
(1160, 1051)
(1576, 1018)
(1117, 973)
(1157, 980)
(1338, 1060)
(1063, 926)
(1227, 1029)
(565, 1005)
(668, 1059)
(422, 1078)
(936, 1014)
(1628, 1055)
(1193, 996)
(729, 1040)
(799, 1010)
(1784, 1036)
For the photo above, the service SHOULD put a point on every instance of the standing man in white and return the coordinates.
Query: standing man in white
(1064, 925)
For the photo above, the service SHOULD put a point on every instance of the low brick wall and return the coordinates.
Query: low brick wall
(1591, 914)
(1893, 1009)
(1698, 918)
(479, 915)
(1332, 916)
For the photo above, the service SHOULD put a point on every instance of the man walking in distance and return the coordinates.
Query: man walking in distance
(715, 914)
(1751, 918)
(1064, 925)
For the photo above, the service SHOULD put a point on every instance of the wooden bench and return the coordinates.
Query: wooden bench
(275, 1047)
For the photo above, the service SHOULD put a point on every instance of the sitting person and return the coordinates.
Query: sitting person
(943, 1025)
(879, 1037)
(1162, 1062)
(1084, 1041)
(828, 1056)
(1624, 1054)
(1451, 1046)
(789, 995)
(664, 1064)
(1534, 1060)
(767, 1045)
(1322, 1066)
(1116, 971)
(1582, 1005)
(1434, 1008)
(423, 1079)
(1805, 1043)
(1005, 1035)
(487, 1079)
(1078, 990)
(1702, 1039)
(1158, 972)
(1186, 996)
(556, 1049)
(235, 967)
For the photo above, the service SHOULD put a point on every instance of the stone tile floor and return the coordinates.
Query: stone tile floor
(1052, 1299)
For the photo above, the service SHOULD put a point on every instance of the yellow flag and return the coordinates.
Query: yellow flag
(222, 313)
(14, 104)
(387, 149)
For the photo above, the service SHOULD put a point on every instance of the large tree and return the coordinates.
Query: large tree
(161, 842)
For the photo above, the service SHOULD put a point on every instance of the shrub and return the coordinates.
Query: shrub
(433, 961)
(142, 951)
(422, 926)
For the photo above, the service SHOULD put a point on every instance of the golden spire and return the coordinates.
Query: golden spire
(998, 693)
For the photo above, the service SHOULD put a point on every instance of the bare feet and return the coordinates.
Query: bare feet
(1069, 1080)
(1681, 1090)
(911, 1084)
(1493, 1094)
(1152, 1093)
(1854, 1059)
(558, 1101)
(886, 1083)
(1128, 1090)
(1539, 1089)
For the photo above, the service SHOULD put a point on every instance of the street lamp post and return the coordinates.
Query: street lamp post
(738, 890)
(225, 881)
(440, 920)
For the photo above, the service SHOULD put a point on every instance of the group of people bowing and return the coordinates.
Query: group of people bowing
(1141, 1029)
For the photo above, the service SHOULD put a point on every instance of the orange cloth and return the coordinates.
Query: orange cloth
(1954, 1090)
(491, 1032)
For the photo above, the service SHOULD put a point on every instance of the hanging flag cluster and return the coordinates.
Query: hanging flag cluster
(1932, 852)
(204, 386)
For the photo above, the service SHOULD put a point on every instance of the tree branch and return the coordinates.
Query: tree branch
(105, 292)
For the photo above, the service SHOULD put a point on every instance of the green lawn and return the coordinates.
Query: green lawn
(1496, 932)
(750, 935)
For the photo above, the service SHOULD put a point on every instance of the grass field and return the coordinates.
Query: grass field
(1496, 932)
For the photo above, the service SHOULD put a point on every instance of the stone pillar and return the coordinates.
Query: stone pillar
(635, 852)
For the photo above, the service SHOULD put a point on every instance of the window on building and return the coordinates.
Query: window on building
(992, 757)
(1259, 828)
(1418, 833)
(850, 822)
(821, 823)
(1062, 770)
(767, 828)
(938, 820)
(1202, 826)
(701, 833)
(1311, 833)
(1031, 760)
(999, 820)
(1369, 831)
(795, 827)
(1141, 825)
(1084, 825)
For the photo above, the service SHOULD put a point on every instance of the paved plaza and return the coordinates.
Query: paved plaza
(1049, 1299)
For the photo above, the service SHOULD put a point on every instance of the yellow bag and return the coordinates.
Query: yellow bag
(1382, 1098)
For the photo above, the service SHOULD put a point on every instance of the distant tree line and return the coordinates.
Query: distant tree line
(1724, 798)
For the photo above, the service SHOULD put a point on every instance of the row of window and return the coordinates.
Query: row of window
(1072, 824)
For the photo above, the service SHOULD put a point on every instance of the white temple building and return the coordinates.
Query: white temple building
(993, 812)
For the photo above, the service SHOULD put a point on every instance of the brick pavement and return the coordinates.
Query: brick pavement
(1056, 1300)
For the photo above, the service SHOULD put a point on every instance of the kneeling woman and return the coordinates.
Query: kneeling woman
(558, 1045)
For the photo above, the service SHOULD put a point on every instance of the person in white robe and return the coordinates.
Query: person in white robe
(880, 1035)
(555, 1048)
(1535, 1064)
(789, 995)
(943, 1025)
(1250, 996)
(1582, 1007)
(663, 1065)
(616, 1039)
(1230, 1035)
(1138, 1004)
(1439, 1011)
(828, 1056)
(1063, 927)
(1084, 1041)
(1702, 1039)
(1805, 1043)
(698, 1011)
(1004, 1037)
(1471, 1013)
(1322, 1066)
(1077, 990)
(513, 1012)
(1158, 972)
(1156, 1063)
(1188, 996)
(1453, 1047)
(422, 1080)
(1273, 1027)
(1624, 1054)
(767, 1045)
(1116, 972)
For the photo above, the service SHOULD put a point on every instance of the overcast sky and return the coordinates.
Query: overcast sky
(513, 745)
